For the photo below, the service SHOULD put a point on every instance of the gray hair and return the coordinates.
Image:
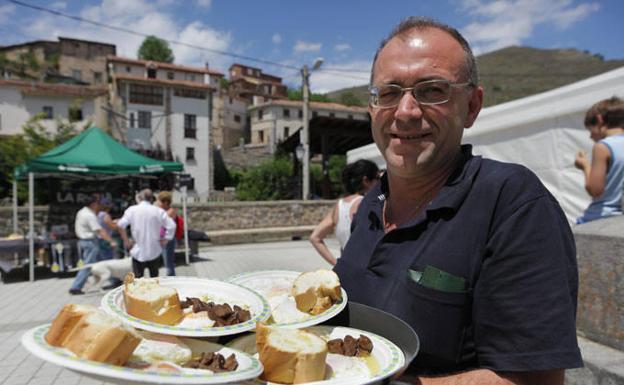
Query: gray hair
(145, 195)
(423, 23)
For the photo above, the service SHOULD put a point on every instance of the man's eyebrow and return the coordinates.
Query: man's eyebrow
(411, 83)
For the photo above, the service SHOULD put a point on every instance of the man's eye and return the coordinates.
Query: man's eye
(432, 91)
(389, 92)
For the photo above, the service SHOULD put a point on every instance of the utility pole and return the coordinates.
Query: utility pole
(305, 132)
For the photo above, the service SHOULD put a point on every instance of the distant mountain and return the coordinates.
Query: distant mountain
(515, 72)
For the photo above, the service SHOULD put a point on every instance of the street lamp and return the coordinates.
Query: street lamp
(305, 134)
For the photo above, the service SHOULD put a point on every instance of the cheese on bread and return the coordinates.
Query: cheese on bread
(146, 299)
(290, 356)
(316, 291)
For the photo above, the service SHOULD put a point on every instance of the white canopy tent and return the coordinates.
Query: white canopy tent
(542, 132)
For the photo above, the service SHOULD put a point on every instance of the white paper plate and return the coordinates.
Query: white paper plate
(113, 303)
(248, 367)
(388, 357)
(274, 286)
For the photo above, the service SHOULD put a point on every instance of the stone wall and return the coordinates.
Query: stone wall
(600, 253)
(210, 216)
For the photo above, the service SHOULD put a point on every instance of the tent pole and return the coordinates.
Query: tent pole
(186, 240)
(15, 225)
(31, 225)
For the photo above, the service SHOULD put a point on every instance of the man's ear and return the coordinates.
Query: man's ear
(599, 119)
(474, 106)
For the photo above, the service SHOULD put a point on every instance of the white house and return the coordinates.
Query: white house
(21, 100)
(542, 132)
(276, 120)
(167, 107)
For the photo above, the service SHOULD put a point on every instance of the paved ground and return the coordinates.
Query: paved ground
(24, 305)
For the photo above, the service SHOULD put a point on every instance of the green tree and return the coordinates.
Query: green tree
(270, 180)
(348, 98)
(18, 149)
(155, 49)
(294, 94)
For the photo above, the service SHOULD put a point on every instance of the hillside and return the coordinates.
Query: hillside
(515, 72)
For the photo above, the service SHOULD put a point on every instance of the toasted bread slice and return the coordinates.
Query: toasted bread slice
(316, 291)
(146, 299)
(91, 334)
(65, 322)
(290, 356)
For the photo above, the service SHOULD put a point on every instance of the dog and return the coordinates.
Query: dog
(102, 271)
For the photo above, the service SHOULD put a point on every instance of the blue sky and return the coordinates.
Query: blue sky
(292, 33)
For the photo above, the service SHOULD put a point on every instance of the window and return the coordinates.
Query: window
(286, 113)
(132, 120)
(189, 93)
(97, 77)
(128, 69)
(143, 94)
(260, 114)
(190, 126)
(190, 185)
(332, 115)
(237, 118)
(286, 132)
(230, 99)
(74, 114)
(48, 112)
(190, 77)
(77, 74)
(145, 119)
(170, 75)
(261, 136)
(190, 154)
(300, 114)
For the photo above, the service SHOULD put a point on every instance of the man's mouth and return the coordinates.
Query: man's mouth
(410, 137)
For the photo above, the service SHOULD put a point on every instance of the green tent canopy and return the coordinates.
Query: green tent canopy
(94, 152)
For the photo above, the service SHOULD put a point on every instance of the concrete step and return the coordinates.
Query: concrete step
(264, 234)
(603, 365)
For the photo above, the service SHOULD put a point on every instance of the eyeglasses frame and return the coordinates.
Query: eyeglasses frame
(371, 93)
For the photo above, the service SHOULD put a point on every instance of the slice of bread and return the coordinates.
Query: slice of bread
(65, 322)
(316, 291)
(91, 334)
(290, 356)
(146, 299)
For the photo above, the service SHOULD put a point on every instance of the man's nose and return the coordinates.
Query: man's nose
(408, 107)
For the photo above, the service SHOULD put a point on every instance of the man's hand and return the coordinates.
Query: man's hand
(581, 161)
(163, 242)
(128, 244)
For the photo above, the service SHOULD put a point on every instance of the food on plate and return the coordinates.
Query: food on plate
(351, 347)
(290, 356)
(93, 335)
(214, 361)
(156, 348)
(316, 291)
(221, 314)
(146, 299)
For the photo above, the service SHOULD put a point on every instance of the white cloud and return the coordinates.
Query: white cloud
(503, 23)
(204, 3)
(342, 47)
(302, 46)
(331, 76)
(150, 18)
(6, 10)
(277, 39)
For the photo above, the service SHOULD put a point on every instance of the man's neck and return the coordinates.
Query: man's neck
(615, 131)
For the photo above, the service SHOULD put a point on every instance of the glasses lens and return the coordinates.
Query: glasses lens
(388, 95)
(432, 92)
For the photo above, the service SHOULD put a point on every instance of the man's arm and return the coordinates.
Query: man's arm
(596, 173)
(488, 377)
(324, 228)
(104, 235)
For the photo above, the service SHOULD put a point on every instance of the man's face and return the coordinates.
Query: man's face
(417, 139)
(598, 131)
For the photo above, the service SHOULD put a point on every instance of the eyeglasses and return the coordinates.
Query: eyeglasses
(429, 92)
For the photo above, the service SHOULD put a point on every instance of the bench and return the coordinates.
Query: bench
(259, 234)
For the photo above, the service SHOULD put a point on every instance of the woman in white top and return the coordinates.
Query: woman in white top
(357, 179)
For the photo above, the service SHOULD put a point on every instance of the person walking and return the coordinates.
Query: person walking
(146, 221)
(357, 179)
(87, 230)
(163, 200)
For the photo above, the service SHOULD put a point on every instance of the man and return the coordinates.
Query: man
(146, 220)
(475, 255)
(87, 228)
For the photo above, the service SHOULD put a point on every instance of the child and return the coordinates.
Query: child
(604, 178)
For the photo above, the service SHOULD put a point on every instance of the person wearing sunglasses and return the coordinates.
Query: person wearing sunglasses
(474, 254)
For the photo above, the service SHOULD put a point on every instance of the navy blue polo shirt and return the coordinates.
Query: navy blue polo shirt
(496, 230)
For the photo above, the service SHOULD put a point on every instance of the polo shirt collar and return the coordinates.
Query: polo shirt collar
(451, 195)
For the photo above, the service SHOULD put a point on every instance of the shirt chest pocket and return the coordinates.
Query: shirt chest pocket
(439, 317)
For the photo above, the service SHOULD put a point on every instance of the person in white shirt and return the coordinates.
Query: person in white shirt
(87, 229)
(145, 220)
